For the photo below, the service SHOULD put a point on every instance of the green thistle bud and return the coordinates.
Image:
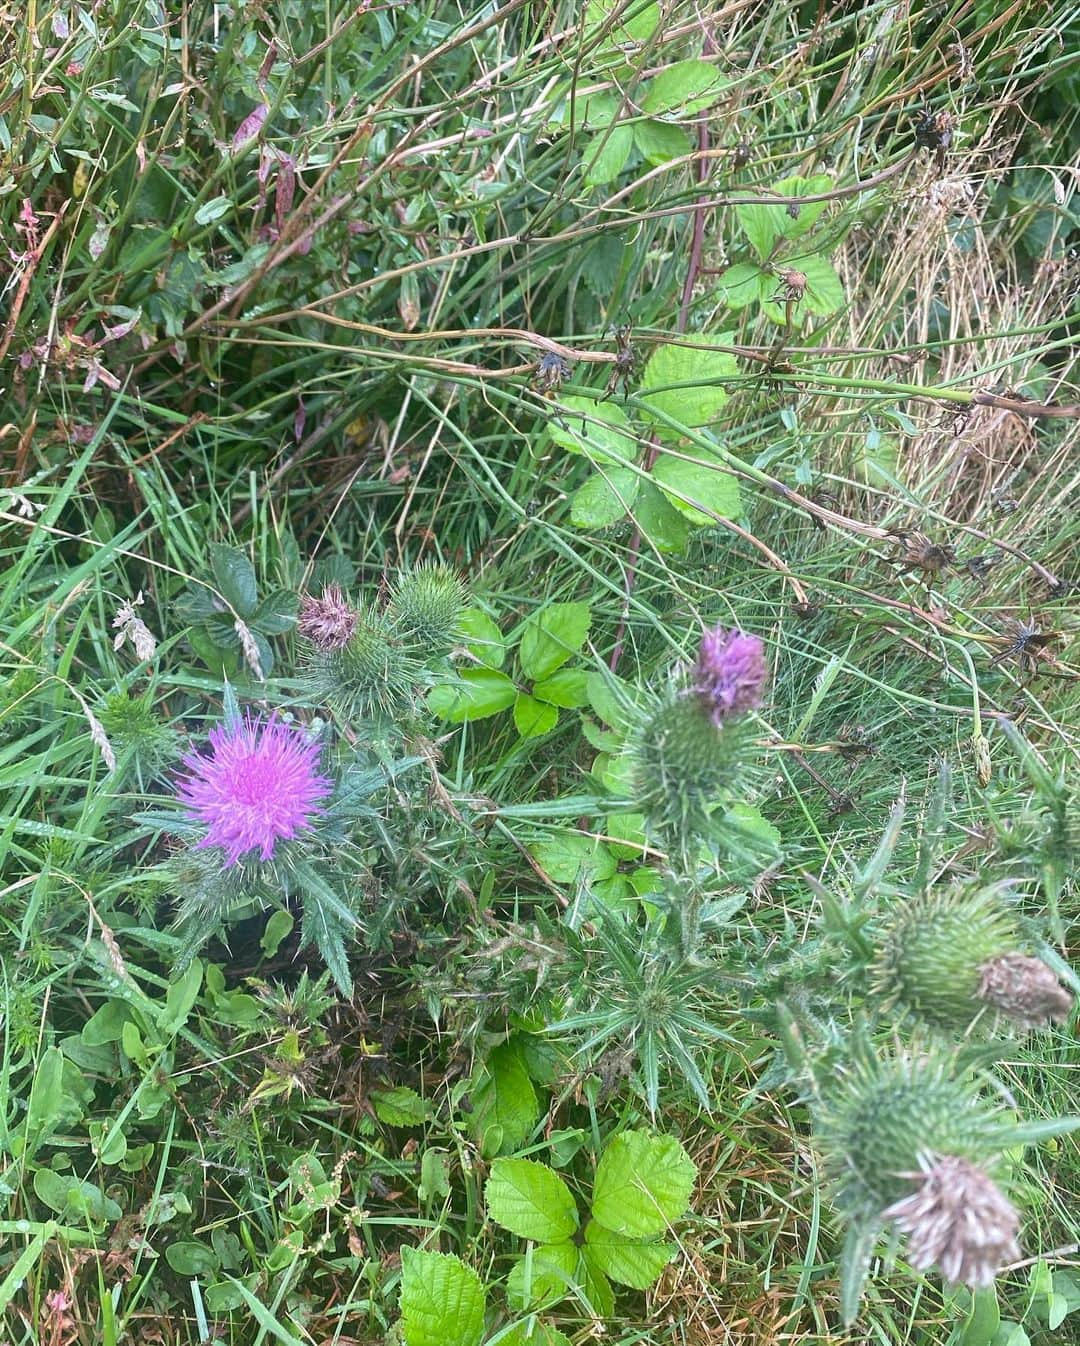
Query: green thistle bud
(425, 608)
(684, 763)
(884, 1114)
(932, 952)
(142, 741)
(370, 676)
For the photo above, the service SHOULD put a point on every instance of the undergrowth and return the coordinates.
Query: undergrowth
(414, 398)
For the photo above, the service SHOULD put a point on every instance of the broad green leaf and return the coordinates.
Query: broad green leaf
(660, 522)
(744, 283)
(192, 1259)
(476, 694)
(684, 88)
(566, 855)
(46, 1107)
(565, 688)
(643, 1183)
(612, 698)
(73, 1198)
(755, 829)
(106, 1024)
(553, 634)
(400, 1106)
(983, 1320)
(505, 1107)
(824, 294)
(276, 614)
(607, 155)
(660, 142)
(235, 578)
(626, 1261)
(213, 209)
(1011, 1334)
(442, 1300)
(532, 1333)
(764, 225)
(698, 479)
(605, 497)
(180, 1000)
(638, 27)
(859, 1242)
(533, 718)
(530, 1200)
(600, 430)
(482, 638)
(597, 1288)
(630, 830)
(685, 381)
(542, 1278)
(278, 928)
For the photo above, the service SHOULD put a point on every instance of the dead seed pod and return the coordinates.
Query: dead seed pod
(551, 373)
(918, 552)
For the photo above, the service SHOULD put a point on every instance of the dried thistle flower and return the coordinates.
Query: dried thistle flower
(729, 674)
(1025, 990)
(327, 622)
(957, 1219)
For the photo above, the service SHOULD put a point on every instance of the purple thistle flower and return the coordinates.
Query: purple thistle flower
(258, 785)
(729, 674)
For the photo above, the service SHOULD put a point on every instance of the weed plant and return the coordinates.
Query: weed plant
(537, 673)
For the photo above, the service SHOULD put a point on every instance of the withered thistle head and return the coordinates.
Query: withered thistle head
(327, 622)
(956, 1219)
(1024, 989)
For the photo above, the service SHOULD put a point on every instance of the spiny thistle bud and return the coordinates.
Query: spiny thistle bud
(141, 739)
(371, 675)
(1024, 989)
(684, 763)
(883, 1114)
(425, 608)
(327, 622)
(729, 674)
(949, 956)
(957, 1219)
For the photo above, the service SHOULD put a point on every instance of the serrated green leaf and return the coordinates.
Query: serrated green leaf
(442, 1300)
(743, 284)
(551, 636)
(530, 1200)
(566, 855)
(685, 381)
(533, 718)
(698, 479)
(532, 1333)
(542, 1278)
(607, 154)
(660, 522)
(474, 695)
(599, 430)
(638, 27)
(626, 1261)
(643, 1183)
(235, 579)
(276, 614)
(565, 688)
(660, 142)
(764, 225)
(685, 88)
(824, 294)
(505, 1106)
(482, 638)
(605, 497)
(400, 1106)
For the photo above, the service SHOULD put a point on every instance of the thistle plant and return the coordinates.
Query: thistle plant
(370, 664)
(949, 956)
(910, 1140)
(692, 749)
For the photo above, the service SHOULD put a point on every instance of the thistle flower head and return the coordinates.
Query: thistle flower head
(327, 622)
(258, 785)
(1024, 989)
(931, 951)
(425, 607)
(884, 1113)
(957, 1219)
(729, 674)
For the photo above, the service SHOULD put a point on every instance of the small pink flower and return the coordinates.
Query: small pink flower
(729, 674)
(258, 785)
(327, 622)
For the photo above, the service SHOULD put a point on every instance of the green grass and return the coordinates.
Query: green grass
(344, 384)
